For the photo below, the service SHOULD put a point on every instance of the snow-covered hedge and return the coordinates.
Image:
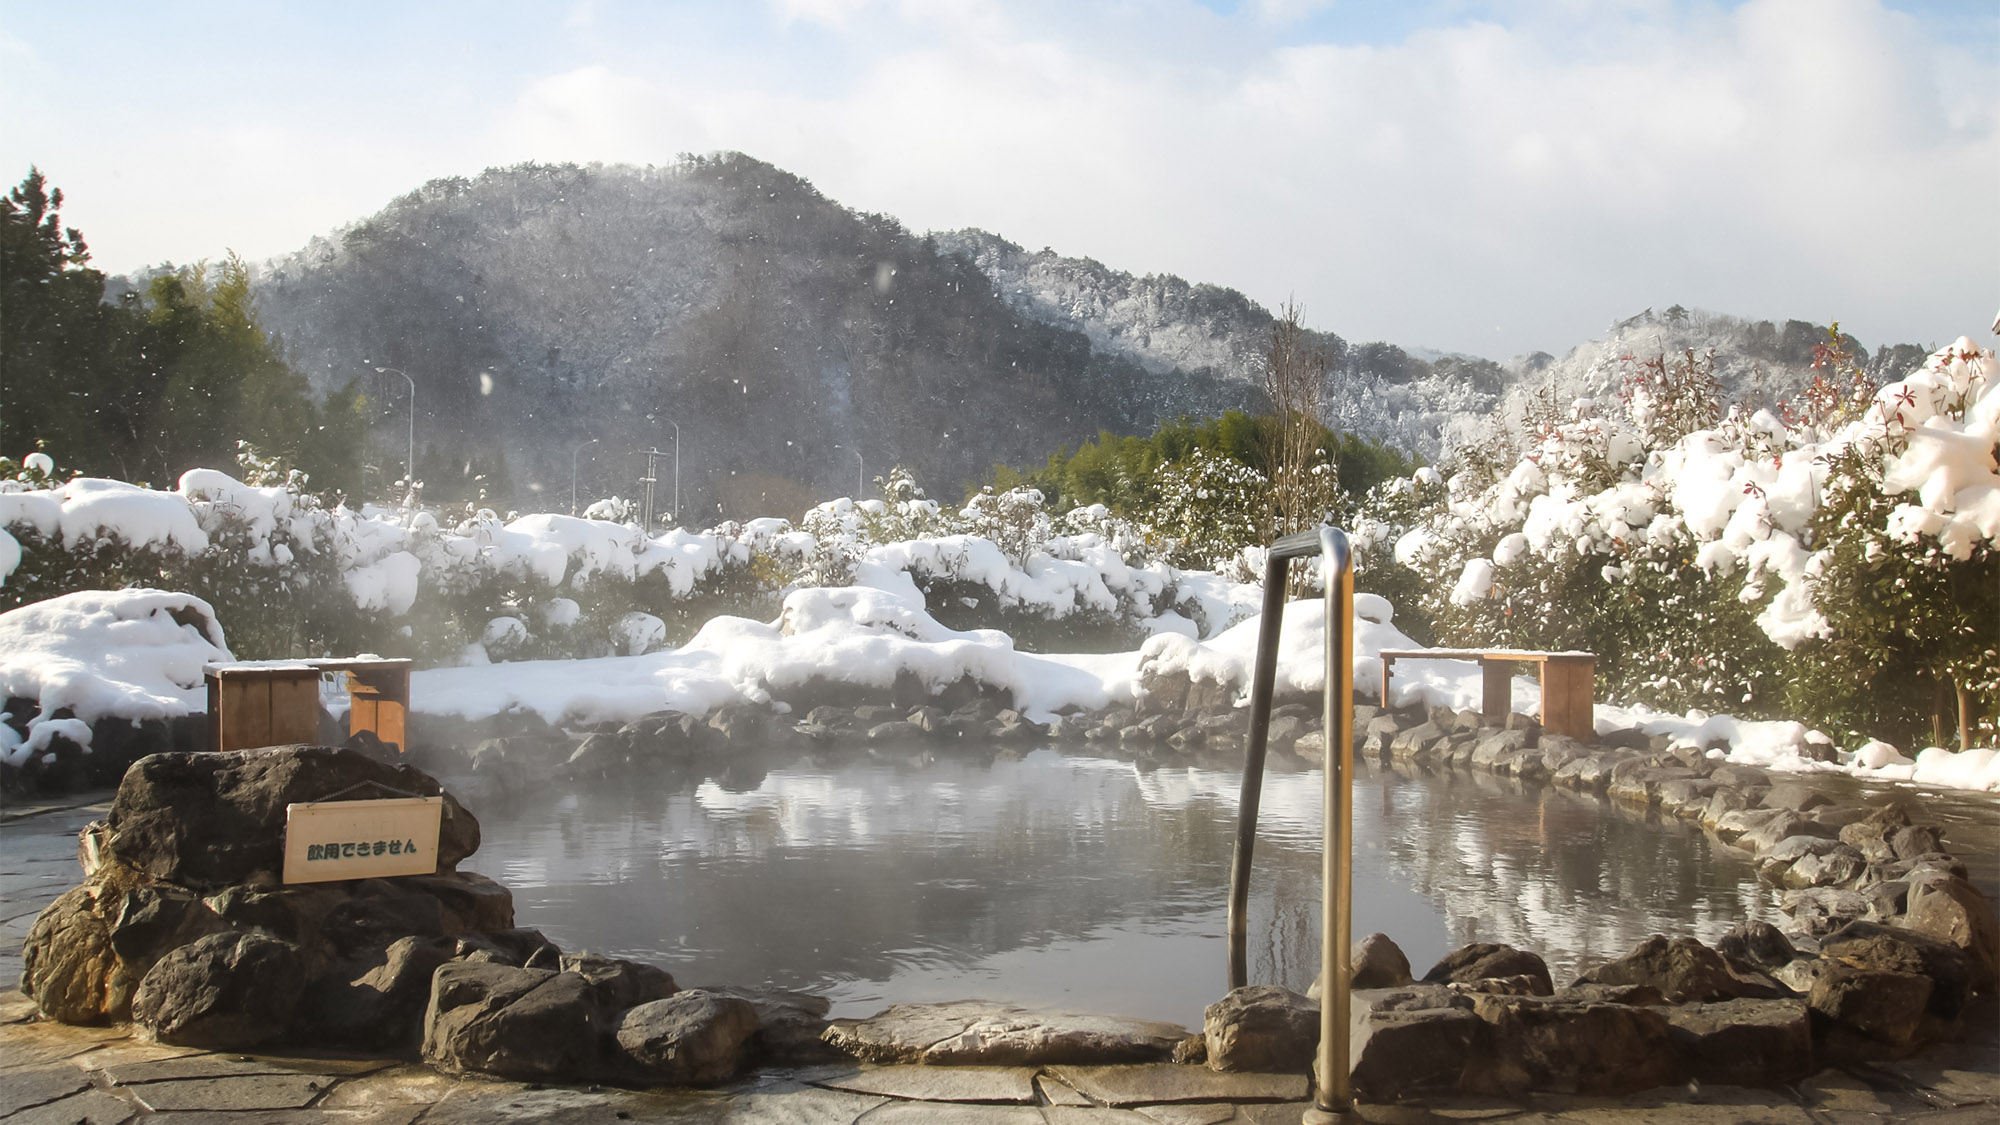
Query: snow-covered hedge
(290, 576)
(1836, 561)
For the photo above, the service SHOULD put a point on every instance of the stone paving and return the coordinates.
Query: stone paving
(52, 1073)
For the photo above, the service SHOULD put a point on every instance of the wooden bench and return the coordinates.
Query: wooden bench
(255, 703)
(1569, 684)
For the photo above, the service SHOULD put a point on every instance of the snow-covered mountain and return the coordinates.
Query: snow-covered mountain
(538, 307)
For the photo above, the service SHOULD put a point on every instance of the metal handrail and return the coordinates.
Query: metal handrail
(1333, 1096)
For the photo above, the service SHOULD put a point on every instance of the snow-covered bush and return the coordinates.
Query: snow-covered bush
(1210, 508)
(1834, 560)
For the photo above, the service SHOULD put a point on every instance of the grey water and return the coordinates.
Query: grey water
(1056, 878)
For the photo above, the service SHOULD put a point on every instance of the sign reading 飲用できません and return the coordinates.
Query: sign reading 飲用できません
(327, 840)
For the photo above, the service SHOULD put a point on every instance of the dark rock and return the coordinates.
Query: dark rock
(1818, 911)
(894, 730)
(1414, 741)
(472, 903)
(1949, 908)
(1870, 945)
(1285, 730)
(1740, 777)
(1871, 840)
(617, 984)
(1915, 869)
(1757, 944)
(1558, 751)
(690, 1039)
(1886, 900)
(1743, 1042)
(598, 754)
(380, 912)
(224, 992)
(70, 968)
(1913, 840)
(1683, 969)
(1687, 797)
(1834, 868)
(1568, 1046)
(525, 1024)
(1492, 746)
(1879, 1005)
(789, 1024)
(1772, 865)
(1769, 826)
(1640, 787)
(1481, 960)
(1795, 796)
(1590, 773)
(740, 724)
(1377, 735)
(1377, 962)
(1891, 816)
(1261, 1028)
(1628, 738)
(378, 1001)
(1407, 1040)
(1520, 984)
(1722, 804)
(213, 819)
(1640, 994)
(1192, 1051)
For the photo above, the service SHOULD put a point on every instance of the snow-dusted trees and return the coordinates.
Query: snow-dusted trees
(1303, 479)
(1833, 561)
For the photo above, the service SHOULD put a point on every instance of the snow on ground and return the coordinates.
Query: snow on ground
(866, 636)
(120, 653)
(125, 654)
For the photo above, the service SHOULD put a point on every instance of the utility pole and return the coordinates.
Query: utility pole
(572, 473)
(409, 459)
(860, 471)
(649, 480)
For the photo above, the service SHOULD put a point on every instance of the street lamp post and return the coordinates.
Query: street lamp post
(677, 470)
(860, 470)
(652, 477)
(410, 458)
(572, 472)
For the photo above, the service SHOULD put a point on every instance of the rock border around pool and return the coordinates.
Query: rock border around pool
(183, 929)
(1891, 947)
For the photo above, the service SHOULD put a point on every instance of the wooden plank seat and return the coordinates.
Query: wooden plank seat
(1569, 684)
(255, 703)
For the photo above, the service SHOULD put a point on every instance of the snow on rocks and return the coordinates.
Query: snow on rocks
(124, 654)
(93, 510)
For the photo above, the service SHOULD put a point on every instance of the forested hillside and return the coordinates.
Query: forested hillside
(537, 307)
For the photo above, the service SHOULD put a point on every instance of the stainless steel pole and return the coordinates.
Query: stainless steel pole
(677, 472)
(1263, 679)
(1277, 560)
(1333, 1093)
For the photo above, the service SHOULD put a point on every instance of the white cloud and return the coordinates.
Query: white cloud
(1487, 186)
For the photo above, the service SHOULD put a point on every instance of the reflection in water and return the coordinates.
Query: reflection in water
(1056, 878)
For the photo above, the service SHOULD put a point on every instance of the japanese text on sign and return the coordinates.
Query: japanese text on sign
(330, 840)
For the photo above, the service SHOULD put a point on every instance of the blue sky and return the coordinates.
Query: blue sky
(1487, 177)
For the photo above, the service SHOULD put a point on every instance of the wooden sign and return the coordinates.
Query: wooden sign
(327, 840)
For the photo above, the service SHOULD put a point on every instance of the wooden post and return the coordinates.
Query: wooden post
(1496, 689)
(380, 702)
(1569, 704)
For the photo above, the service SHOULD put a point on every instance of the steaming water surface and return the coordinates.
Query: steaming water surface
(1056, 878)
